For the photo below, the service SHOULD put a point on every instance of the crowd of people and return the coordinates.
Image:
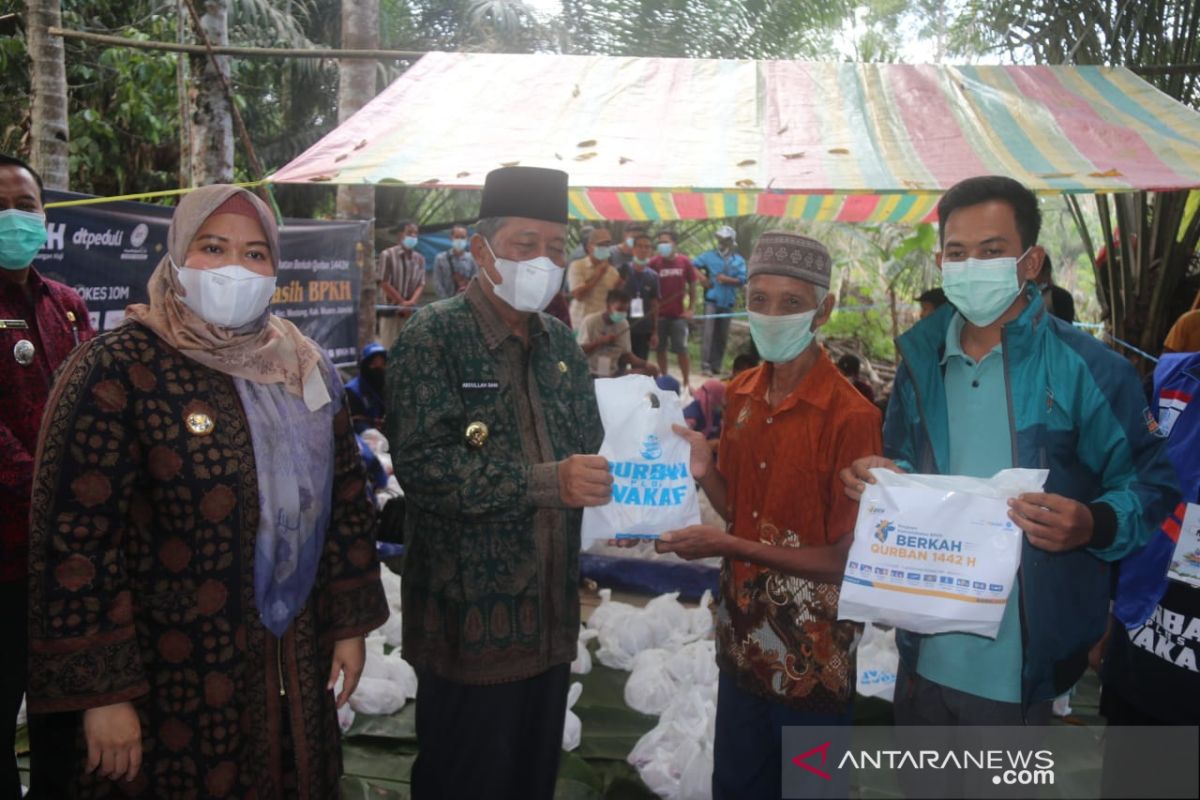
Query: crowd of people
(664, 290)
(189, 560)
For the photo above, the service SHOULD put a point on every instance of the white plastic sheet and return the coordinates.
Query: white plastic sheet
(935, 553)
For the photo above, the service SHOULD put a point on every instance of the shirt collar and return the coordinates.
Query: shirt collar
(954, 340)
(815, 389)
(495, 331)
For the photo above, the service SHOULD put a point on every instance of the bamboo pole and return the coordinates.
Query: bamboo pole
(229, 50)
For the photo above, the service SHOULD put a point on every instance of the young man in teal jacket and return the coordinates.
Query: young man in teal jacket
(992, 381)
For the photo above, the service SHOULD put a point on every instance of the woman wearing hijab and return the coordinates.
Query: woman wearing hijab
(704, 412)
(202, 556)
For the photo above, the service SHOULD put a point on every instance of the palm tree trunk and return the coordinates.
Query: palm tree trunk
(212, 124)
(356, 88)
(49, 131)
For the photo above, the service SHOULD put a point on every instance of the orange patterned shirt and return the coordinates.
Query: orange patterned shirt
(778, 633)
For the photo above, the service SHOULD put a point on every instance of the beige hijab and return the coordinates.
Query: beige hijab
(276, 352)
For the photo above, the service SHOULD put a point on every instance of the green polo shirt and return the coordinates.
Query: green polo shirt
(980, 446)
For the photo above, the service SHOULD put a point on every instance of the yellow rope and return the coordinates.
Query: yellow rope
(89, 201)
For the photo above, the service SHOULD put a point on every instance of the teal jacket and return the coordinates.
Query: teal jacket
(1077, 409)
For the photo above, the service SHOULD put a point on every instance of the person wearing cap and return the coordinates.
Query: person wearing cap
(790, 425)
(41, 320)
(219, 574)
(591, 278)
(493, 426)
(726, 272)
(991, 381)
(401, 281)
(364, 392)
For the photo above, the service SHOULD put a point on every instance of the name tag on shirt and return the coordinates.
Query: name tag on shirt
(481, 386)
(13, 325)
(637, 309)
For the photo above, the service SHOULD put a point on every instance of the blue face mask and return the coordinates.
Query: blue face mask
(459, 244)
(22, 234)
(601, 252)
(781, 339)
(982, 289)
(410, 242)
(617, 316)
(665, 249)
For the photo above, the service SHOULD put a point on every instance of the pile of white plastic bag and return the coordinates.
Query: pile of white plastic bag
(671, 655)
(624, 630)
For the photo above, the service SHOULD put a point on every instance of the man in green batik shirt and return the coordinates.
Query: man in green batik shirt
(493, 426)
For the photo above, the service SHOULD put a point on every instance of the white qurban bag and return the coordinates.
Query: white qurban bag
(935, 553)
(653, 488)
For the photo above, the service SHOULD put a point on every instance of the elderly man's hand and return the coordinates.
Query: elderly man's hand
(1052, 522)
(702, 455)
(856, 476)
(697, 541)
(584, 481)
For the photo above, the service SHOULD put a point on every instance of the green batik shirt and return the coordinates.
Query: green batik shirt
(477, 421)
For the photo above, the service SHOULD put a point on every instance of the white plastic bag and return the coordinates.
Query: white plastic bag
(674, 759)
(609, 611)
(878, 662)
(377, 696)
(653, 488)
(572, 726)
(582, 664)
(624, 630)
(650, 687)
(935, 553)
(695, 779)
(345, 714)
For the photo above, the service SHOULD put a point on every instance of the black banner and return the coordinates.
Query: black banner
(107, 251)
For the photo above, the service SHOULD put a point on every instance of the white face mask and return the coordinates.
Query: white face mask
(228, 297)
(527, 286)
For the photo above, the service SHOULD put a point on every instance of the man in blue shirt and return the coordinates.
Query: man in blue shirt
(726, 271)
(991, 381)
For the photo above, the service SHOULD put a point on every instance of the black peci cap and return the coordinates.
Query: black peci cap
(530, 192)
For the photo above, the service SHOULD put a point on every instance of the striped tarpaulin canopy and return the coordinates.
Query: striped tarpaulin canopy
(661, 138)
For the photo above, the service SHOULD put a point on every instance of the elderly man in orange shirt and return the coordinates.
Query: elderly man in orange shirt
(791, 424)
